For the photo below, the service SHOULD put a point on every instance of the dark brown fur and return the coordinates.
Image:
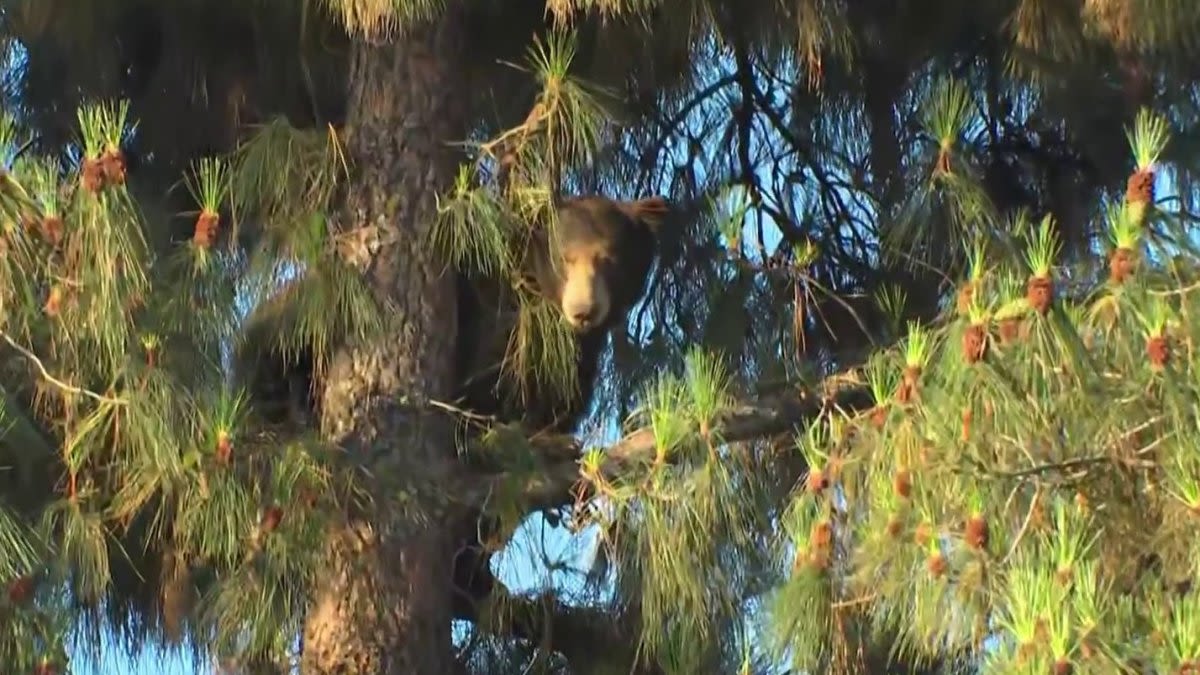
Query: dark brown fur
(620, 240)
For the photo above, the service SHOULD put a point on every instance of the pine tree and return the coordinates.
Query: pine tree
(993, 474)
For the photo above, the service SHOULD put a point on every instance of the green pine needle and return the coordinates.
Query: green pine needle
(916, 346)
(571, 113)
(1184, 634)
(473, 232)
(1070, 540)
(1043, 249)
(1148, 138)
(707, 387)
(882, 377)
(892, 300)
(729, 209)
(209, 183)
(17, 553)
(383, 19)
(281, 175)
(947, 115)
(1154, 321)
(102, 126)
(1183, 475)
(1124, 231)
(663, 400)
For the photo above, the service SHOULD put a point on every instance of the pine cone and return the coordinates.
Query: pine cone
(1139, 189)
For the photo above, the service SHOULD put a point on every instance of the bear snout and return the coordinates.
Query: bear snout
(585, 303)
(581, 316)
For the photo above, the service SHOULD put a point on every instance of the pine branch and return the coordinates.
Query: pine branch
(745, 421)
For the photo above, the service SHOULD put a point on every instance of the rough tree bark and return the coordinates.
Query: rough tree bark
(384, 606)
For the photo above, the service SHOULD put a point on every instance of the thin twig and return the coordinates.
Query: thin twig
(861, 600)
(1033, 503)
(455, 410)
(1177, 291)
(1055, 466)
(37, 363)
(1011, 496)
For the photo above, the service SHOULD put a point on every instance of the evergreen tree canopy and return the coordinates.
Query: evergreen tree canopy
(914, 380)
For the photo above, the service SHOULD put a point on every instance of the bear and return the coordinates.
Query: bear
(594, 272)
(593, 269)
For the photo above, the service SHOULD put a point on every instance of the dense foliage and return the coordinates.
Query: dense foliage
(917, 372)
(1025, 486)
(116, 398)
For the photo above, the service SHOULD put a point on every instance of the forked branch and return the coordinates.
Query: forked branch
(577, 633)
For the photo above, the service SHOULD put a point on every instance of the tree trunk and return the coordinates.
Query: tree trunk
(384, 605)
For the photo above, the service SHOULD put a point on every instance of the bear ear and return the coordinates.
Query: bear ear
(651, 212)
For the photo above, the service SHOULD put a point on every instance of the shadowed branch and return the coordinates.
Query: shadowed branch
(577, 633)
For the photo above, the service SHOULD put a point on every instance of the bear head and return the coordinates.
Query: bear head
(593, 267)
(594, 264)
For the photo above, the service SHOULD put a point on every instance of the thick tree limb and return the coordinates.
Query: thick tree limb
(769, 416)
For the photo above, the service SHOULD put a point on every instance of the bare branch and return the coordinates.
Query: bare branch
(41, 368)
(577, 633)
